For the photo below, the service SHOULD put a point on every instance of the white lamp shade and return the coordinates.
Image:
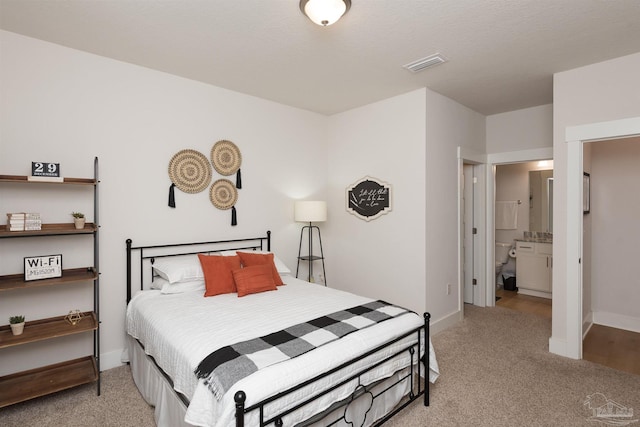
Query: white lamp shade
(324, 12)
(310, 211)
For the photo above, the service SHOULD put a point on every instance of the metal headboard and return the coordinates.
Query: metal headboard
(152, 252)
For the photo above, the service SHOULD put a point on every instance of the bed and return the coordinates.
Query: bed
(374, 366)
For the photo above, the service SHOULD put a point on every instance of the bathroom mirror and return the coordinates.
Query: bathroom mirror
(541, 200)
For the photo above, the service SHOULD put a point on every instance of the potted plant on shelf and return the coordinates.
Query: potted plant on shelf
(78, 220)
(17, 324)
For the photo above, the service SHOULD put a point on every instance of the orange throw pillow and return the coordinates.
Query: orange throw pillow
(218, 273)
(249, 259)
(254, 279)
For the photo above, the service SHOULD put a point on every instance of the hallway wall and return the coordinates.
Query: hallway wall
(600, 92)
(615, 210)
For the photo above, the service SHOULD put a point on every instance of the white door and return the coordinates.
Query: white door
(467, 226)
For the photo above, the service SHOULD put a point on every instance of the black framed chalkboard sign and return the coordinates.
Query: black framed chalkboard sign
(368, 198)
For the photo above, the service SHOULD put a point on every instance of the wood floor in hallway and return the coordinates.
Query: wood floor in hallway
(525, 303)
(615, 348)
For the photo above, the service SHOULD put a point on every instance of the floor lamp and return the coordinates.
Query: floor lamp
(310, 211)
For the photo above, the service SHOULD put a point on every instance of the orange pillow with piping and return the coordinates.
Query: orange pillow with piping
(249, 259)
(254, 279)
(218, 273)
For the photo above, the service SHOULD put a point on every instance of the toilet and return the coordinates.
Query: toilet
(502, 255)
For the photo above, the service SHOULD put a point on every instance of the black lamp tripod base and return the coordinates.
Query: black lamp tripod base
(310, 258)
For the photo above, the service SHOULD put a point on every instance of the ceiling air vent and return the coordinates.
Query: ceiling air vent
(429, 61)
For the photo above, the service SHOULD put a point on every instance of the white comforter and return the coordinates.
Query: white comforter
(180, 330)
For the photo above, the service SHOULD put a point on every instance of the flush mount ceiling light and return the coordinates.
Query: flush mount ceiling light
(324, 12)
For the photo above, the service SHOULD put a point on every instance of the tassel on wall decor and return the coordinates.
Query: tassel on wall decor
(172, 196)
(190, 171)
(224, 195)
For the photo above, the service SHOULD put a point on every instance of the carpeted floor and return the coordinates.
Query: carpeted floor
(495, 371)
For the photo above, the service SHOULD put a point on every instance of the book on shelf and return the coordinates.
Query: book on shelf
(24, 221)
(23, 215)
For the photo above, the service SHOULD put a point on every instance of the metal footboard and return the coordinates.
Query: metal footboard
(413, 375)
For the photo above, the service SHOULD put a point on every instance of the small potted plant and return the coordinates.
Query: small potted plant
(78, 220)
(17, 324)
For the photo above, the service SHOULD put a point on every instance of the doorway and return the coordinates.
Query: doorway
(570, 314)
(472, 175)
(524, 213)
(493, 161)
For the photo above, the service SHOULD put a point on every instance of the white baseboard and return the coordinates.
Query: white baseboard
(558, 347)
(445, 322)
(111, 360)
(534, 293)
(587, 323)
(614, 320)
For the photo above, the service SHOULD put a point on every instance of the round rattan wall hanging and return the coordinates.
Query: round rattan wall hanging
(190, 171)
(226, 159)
(223, 195)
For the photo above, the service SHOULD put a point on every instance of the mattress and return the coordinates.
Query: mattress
(179, 330)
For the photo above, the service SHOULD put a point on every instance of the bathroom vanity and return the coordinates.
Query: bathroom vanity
(534, 264)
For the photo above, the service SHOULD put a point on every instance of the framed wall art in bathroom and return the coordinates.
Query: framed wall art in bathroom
(586, 193)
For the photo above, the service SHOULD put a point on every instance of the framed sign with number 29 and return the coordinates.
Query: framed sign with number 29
(45, 169)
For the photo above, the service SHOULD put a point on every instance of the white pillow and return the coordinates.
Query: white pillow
(179, 269)
(280, 266)
(175, 288)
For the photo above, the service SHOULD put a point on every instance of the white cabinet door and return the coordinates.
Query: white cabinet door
(532, 272)
(533, 266)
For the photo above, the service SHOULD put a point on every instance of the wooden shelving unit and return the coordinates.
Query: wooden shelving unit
(38, 382)
(50, 230)
(25, 179)
(16, 281)
(21, 386)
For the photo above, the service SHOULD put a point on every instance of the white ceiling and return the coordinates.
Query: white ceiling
(502, 53)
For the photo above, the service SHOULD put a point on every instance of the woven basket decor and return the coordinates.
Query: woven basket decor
(223, 194)
(190, 171)
(226, 157)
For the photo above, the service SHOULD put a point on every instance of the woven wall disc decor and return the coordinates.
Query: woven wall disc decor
(223, 194)
(226, 157)
(190, 171)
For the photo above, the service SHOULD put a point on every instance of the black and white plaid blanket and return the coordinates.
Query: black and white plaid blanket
(228, 365)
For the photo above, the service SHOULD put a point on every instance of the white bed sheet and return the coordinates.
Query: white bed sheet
(164, 324)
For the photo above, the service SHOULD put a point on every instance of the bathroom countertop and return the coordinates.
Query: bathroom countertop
(534, 240)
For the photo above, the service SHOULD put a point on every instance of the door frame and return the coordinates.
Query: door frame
(478, 160)
(493, 160)
(575, 137)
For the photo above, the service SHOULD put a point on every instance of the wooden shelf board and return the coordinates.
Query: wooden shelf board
(50, 230)
(67, 181)
(38, 382)
(53, 327)
(16, 281)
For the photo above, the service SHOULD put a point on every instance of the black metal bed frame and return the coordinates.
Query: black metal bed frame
(413, 374)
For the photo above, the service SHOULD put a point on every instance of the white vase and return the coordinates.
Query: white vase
(79, 223)
(17, 328)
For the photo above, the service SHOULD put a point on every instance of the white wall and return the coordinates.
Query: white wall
(409, 255)
(596, 93)
(382, 258)
(526, 129)
(66, 106)
(615, 210)
(449, 126)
